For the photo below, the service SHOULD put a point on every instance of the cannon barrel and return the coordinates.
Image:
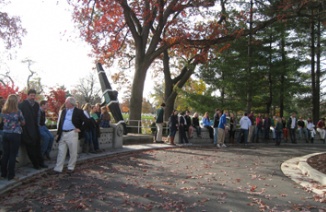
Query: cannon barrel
(110, 97)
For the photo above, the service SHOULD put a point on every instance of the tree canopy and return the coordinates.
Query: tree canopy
(139, 31)
(11, 30)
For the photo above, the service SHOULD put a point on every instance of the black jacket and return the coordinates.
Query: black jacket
(216, 120)
(31, 133)
(78, 119)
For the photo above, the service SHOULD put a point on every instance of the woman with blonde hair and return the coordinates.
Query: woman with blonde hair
(105, 118)
(13, 121)
(195, 124)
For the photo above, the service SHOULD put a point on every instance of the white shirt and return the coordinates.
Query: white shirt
(293, 123)
(310, 126)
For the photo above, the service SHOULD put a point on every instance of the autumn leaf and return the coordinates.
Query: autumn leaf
(253, 188)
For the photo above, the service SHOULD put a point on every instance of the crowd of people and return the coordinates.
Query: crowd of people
(251, 128)
(25, 122)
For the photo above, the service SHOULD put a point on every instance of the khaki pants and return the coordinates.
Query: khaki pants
(221, 135)
(69, 141)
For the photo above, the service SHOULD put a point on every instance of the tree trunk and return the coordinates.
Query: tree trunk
(270, 81)
(318, 71)
(282, 80)
(136, 99)
(314, 75)
(172, 85)
(249, 74)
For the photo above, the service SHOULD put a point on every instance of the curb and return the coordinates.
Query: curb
(298, 170)
(306, 169)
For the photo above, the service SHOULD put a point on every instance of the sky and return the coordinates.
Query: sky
(52, 42)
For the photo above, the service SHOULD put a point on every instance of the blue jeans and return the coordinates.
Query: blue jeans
(303, 133)
(95, 139)
(245, 135)
(88, 137)
(47, 140)
(257, 134)
(215, 135)
(11, 143)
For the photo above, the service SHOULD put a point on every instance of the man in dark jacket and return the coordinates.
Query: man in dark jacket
(159, 123)
(31, 134)
(70, 121)
(215, 124)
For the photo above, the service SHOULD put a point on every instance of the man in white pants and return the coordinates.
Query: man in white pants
(70, 123)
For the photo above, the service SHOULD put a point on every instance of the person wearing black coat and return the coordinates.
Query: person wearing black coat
(173, 126)
(182, 133)
(31, 137)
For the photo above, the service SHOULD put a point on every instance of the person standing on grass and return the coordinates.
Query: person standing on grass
(159, 123)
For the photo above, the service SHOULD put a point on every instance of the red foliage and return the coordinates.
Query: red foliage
(56, 99)
(6, 90)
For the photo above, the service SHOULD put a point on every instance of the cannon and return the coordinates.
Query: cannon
(111, 99)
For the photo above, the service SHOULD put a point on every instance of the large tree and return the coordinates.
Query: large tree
(87, 91)
(139, 31)
(11, 30)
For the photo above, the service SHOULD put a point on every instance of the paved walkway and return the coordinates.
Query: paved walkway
(295, 168)
(26, 172)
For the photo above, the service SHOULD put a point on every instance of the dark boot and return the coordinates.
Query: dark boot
(85, 148)
(172, 141)
(91, 148)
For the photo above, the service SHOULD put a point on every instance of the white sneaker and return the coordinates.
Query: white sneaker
(223, 145)
(218, 146)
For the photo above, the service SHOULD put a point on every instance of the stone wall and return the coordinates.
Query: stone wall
(110, 138)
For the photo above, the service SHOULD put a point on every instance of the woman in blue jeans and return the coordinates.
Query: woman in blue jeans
(13, 119)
